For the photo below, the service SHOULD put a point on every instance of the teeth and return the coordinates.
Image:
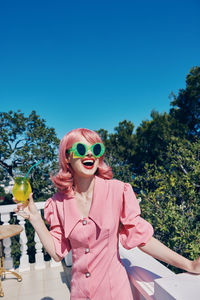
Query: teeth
(88, 162)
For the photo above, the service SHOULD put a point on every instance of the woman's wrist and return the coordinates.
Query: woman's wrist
(35, 219)
(189, 265)
(195, 266)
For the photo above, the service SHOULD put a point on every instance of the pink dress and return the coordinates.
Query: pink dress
(97, 271)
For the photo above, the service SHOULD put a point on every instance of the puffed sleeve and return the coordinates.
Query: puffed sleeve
(135, 231)
(62, 245)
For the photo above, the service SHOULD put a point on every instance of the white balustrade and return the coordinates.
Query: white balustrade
(8, 261)
(24, 259)
(5, 216)
(39, 256)
(150, 280)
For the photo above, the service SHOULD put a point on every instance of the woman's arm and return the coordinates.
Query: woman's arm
(37, 222)
(159, 251)
(45, 236)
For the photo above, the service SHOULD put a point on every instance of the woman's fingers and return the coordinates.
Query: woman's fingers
(26, 210)
(32, 207)
(19, 206)
(23, 214)
(21, 209)
(14, 200)
(31, 198)
(195, 266)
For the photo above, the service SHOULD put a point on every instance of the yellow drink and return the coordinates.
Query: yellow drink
(22, 189)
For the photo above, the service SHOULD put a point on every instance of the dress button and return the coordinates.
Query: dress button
(87, 275)
(84, 222)
(87, 250)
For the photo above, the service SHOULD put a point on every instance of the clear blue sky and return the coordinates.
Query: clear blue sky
(95, 63)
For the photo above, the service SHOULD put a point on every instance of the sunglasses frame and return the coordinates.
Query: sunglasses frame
(76, 154)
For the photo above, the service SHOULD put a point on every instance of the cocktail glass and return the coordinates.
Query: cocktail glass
(21, 191)
(22, 188)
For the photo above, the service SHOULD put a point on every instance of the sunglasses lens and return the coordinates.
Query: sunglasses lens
(81, 149)
(98, 150)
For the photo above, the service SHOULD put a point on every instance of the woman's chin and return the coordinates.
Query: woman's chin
(87, 173)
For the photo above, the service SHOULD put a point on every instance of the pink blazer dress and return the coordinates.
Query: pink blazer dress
(97, 272)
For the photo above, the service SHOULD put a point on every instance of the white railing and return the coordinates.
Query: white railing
(5, 216)
(149, 279)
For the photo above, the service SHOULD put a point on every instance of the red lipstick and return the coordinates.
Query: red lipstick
(88, 163)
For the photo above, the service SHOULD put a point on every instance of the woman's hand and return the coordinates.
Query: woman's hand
(30, 211)
(195, 266)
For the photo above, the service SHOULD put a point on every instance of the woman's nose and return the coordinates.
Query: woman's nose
(89, 153)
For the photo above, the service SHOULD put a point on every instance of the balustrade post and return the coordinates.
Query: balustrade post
(8, 260)
(24, 259)
(39, 257)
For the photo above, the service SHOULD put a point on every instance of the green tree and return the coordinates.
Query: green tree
(152, 139)
(171, 197)
(25, 141)
(153, 136)
(120, 149)
(186, 106)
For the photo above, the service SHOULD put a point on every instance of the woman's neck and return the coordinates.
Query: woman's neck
(84, 185)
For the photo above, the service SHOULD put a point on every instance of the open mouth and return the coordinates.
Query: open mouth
(88, 163)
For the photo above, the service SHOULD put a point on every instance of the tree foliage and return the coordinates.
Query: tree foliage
(152, 139)
(170, 197)
(186, 106)
(25, 141)
(119, 149)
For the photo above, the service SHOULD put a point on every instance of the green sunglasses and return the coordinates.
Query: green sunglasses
(80, 150)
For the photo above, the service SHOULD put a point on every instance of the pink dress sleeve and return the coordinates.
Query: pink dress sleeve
(135, 231)
(62, 244)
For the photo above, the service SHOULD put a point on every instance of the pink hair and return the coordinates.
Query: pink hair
(63, 180)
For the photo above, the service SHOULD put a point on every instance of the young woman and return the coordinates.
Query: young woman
(84, 216)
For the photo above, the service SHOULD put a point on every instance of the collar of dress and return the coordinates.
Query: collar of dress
(71, 213)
